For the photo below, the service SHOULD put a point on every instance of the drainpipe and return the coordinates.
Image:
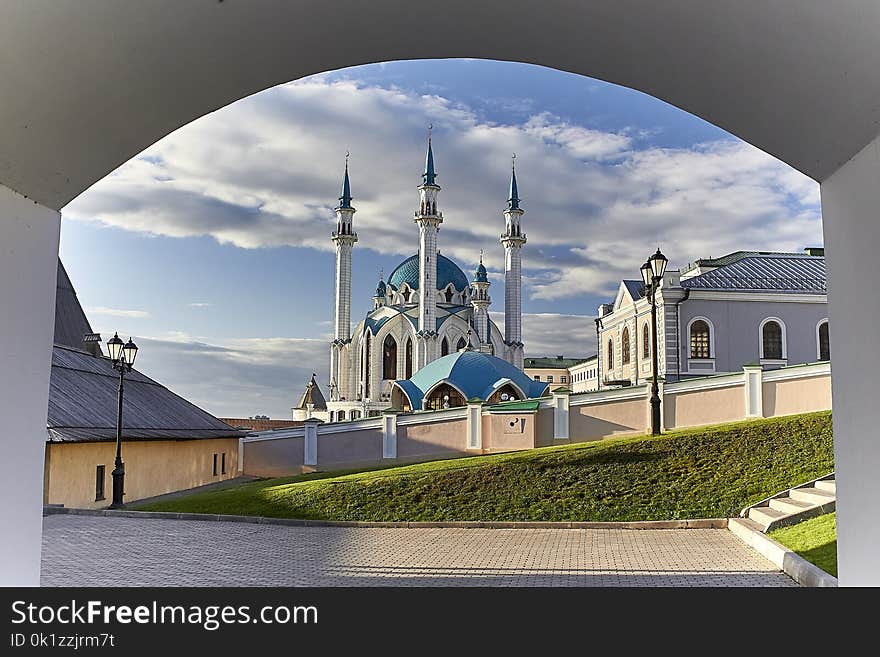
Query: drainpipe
(687, 293)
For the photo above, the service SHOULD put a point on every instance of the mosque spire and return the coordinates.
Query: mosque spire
(513, 199)
(345, 199)
(430, 175)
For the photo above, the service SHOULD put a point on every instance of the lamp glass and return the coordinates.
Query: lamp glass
(114, 346)
(658, 264)
(647, 272)
(130, 351)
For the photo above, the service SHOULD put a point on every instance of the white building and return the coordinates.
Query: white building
(427, 309)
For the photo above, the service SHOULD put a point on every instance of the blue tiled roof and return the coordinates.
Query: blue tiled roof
(766, 273)
(480, 275)
(473, 373)
(447, 272)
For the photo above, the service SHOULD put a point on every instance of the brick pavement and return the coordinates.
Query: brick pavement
(105, 551)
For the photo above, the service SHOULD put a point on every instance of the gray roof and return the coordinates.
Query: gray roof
(312, 395)
(765, 273)
(71, 323)
(83, 404)
(634, 288)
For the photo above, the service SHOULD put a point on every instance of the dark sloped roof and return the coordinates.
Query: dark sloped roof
(634, 288)
(83, 404)
(312, 395)
(71, 323)
(778, 272)
(550, 362)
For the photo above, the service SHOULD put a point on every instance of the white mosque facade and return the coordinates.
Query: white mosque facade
(427, 309)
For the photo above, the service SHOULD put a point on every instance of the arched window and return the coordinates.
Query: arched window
(389, 358)
(624, 347)
(340, 417)
(409, 358)
(701, 346)
(444, 396)
(505, 393)
(448, 295)
(462, 344)
(355, 415)
(610, 354)
(366, 367)
(444, 347)
(772, 340)
(824, 345)
(646, 341)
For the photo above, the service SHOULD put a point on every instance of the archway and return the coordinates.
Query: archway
(52, 151)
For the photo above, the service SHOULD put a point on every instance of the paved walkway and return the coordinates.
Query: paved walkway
(103, 551)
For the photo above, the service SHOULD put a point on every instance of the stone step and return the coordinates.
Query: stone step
(788, 505)
(828, 485)
(811, 495)
(765, 516)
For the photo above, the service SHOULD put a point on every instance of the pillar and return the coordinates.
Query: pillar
(28, 269)
(560, 414)
(389, 434)
(754, 390)
(851, 221)
(475, 425)
(310, 442)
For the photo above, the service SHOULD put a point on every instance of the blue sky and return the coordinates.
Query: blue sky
(212, 246)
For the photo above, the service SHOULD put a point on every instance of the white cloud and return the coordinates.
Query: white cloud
(117, 312)
(265, 171)
(199, 304)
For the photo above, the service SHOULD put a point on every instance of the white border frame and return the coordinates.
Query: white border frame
(772, 361)
(819, 343)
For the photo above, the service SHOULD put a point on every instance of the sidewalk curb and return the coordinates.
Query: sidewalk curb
(702, 523)
(791, 563)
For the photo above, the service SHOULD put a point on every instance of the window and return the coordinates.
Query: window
(549, 378)
(366, 366)
(610, 354)
(771, 340)
(448, 295)
(444, 396)
(99, 483)
(389, 358)
(824, 345)
(223, 463)
(563, 379)
(215, 465)
(462, 344)
(700, 341)
(409, 358)
(444, 348)
(624, 347)
(646, 341)
(340, 416)
(537, 377)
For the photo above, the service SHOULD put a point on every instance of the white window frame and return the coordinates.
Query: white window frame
(702, 361)
(773, 361)
(818, 343)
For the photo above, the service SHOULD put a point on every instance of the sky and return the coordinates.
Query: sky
(211, 247)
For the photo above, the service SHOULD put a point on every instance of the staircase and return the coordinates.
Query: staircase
(811, 499)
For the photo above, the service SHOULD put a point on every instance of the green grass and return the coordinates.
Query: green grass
(707, 472)
(815, 540)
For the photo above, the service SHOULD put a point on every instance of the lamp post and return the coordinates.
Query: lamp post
(122, 356)
(652, 274)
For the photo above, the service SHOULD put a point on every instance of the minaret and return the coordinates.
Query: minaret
(428, 219)
(381, 291)
(344, 239)
(480, 300)
(513, 240)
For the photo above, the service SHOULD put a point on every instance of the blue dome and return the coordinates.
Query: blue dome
(447, 272)
(380, 289)
(473, 373)
(480, 275)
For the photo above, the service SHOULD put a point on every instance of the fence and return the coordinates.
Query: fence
(564, 418)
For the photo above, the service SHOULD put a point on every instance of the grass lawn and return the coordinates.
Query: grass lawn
(815, 540)
(696, 473)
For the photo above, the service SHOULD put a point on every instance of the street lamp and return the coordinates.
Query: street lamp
(652, 274)
(122, 356)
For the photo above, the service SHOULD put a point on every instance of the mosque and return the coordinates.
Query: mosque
(427, 311)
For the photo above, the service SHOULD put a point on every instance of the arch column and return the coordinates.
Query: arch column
(851, 221)
(29, 236)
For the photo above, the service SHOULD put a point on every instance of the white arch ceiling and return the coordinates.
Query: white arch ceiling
(87, 84)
